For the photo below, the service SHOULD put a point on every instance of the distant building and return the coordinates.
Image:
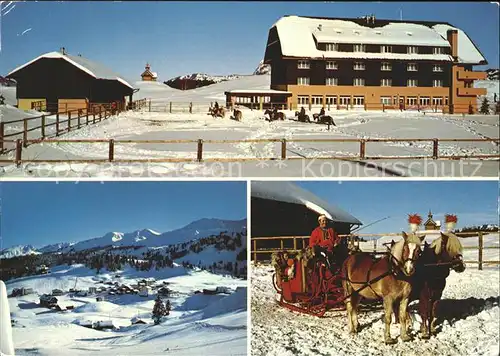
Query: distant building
(369, 63)
(430, 224)
(148, 76)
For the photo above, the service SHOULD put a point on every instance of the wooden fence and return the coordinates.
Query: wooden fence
(199, 144)
(296, 243)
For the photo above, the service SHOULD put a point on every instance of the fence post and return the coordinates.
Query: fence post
(149, 105)
(255, 251)
(111, 150)
(383, 107)
(170, 109)
(362, 149)
(93, 116)
(191, 107)
(435, 148)
(1, 136)
(78, 112)
(283, 148)
(69, 121)
(43, 126)
(328, 106)
(200, 150)
(100, 113)
(480, 266)
(25, 133)
(57, 123)
(374, 245)
(19, 148)
(87, 117)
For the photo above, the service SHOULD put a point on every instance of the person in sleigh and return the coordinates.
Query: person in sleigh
(323, 240)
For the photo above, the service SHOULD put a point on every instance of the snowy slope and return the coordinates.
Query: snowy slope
(198, 324)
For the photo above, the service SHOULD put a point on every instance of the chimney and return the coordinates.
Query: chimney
(452, 37)
(63, 50)
(319, 27)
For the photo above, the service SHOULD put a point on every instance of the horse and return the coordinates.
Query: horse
(429, 281)
(217, 112)
(302, 118)
(274, 116)
(387, 278)
(237, 115)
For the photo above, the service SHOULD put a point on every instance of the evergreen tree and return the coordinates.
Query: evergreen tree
(168, 307)
(159, 310)
(485, 106)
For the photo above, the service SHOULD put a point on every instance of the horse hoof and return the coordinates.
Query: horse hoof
(425, 337)
(390, 341)
(406, 338)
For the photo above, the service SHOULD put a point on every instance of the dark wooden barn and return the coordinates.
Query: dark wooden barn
(284, 209)
(65, 82)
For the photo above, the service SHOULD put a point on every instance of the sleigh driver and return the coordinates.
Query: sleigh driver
(323, 240)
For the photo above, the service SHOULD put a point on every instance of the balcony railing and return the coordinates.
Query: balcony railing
(470, 75)
(471, 91)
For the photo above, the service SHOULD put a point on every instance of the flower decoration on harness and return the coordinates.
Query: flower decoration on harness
(415, 220)
(451, 222)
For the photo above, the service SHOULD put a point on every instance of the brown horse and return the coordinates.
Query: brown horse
(387, 278)
(275, 116)
(217, 112)
(237, 115)
(429, 281)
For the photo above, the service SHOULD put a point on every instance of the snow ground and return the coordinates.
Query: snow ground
(198, 324)
(198, 125)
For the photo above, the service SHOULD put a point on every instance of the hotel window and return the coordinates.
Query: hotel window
(445, 100)
(468, 84)
(332, 65)
(332, 100)
(411, 100)
(303, 100)
(411, 67)
(412, 50)
(437, 101)
(332, 47)
(303, 80)
(358, 48)
(386, 100)
(437, 83)
(332, 81)
(317, 100)
(385, 49)
(437, 68)
(438, 50)
(425, 101)
(345, 100)
(358, 100)
(359, 66)
(386, 66)
(303, 64)
(412, 83)
(267, 99)
(386, 82)
(359, 82)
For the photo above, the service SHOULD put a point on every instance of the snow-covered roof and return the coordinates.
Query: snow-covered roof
(290, 193)
(155, 75)
(257, 91)
(94, 69)
(297, 37)
(467, 50)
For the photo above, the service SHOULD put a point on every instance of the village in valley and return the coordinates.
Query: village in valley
(328, 91)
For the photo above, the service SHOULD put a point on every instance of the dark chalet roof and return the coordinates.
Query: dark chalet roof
(92, 68)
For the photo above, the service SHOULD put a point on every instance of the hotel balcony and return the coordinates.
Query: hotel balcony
(471, 91)
(470, 75)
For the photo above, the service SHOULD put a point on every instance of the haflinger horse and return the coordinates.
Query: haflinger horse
(388, 278)
(429, 281)
(237, 115)
(272, 116)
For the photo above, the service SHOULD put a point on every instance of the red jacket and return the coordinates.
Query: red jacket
(317, 238)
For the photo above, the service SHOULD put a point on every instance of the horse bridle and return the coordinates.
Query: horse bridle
(400, 264)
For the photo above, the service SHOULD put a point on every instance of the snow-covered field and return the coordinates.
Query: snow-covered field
(198, 125)
(198, 324)
(470, 298)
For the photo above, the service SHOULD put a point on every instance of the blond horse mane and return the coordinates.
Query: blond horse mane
(453, 246)
(397, 249)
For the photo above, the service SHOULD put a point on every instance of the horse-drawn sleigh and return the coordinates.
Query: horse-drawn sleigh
(310, 282)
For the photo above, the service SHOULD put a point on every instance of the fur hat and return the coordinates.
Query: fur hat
(322, 216)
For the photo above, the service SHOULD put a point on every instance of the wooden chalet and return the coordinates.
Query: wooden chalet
(431, 224)
(57, 81)
(148, 75)
(284, 209)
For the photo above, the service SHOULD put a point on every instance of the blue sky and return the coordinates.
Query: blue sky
(41, 213)
(474, 202)
(213, 37)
